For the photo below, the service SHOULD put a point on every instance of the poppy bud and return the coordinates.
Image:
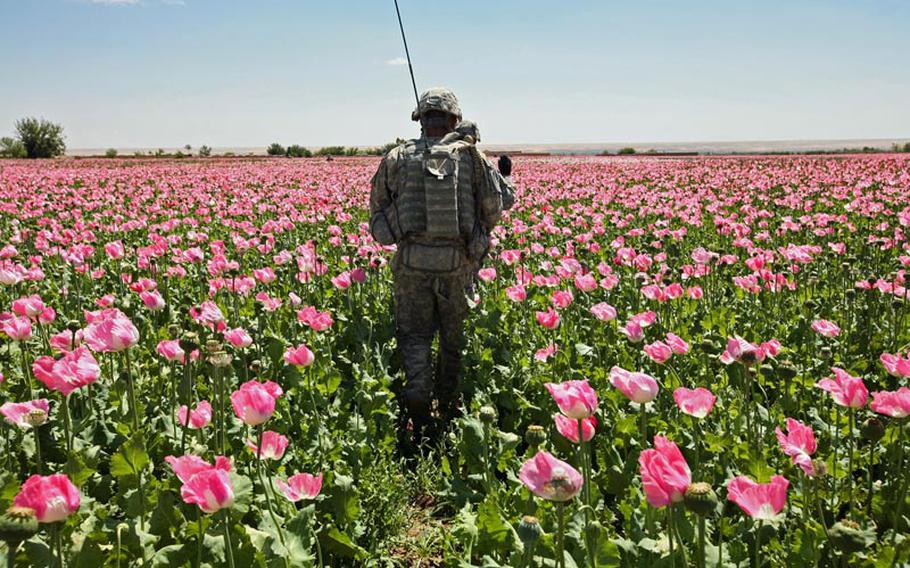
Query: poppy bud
(529, 530)
(786, 370)
(535, 435)
(700, 499)
(872, 429)
(849, 537)
(487, 415)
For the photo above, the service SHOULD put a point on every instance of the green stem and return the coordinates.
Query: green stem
(228, 549)
(199, 538)
(67, 425)
(560, 534)
(670, 535)
(39, 461)
(58, 544)
(701, 541)
(11, 554)
(902, 493)
(134, 407)
(318, 546)
(590, 544)
(852, 423)
(757, 539)
(268, 499)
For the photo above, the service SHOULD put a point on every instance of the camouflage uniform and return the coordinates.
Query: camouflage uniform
(429, 196)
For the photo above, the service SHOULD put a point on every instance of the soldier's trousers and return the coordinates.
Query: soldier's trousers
(425, 304)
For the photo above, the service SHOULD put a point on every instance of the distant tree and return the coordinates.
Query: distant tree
(41, 138)
(204, 151)
(297, 151)
(605, 153)
(12, 148)
(275, 149)
(331, 151)
(352, 151)
(159, 153)
(187, 147)
(907, 147)
(111, 153)
(626, 151)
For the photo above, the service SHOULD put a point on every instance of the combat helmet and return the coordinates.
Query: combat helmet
(437, 98)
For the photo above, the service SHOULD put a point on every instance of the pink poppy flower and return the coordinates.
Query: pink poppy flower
(677, 344)
(826, 328)
(568, 427)
(153, 300)
(300, 486)
(52, 498)
(66, 340)
(586, 282)
(208, 314)
(762, 501)
(637, 387)
(658, 351)
(665, 475)
(896, 365)
(575, 399)
(741, 351)
(110, 331)
(697, 403)
(238, 337)
(798, 443)
(186, 466)
(26, 415)
(548, 319)
(17, 328)
(254, 402)
(487, 274)
(846, 390)
(550, 478)
(894, 404)
(198, 418)
(544, 354)
(359, 275)
(273, 446)
(170, 349)
(603, 311)
(72, 371)
(561, 299)
(114, 250)
(30, 307)
(342, 281)
(211, 490)
(300, 356)
(633, 330)
(516, 293)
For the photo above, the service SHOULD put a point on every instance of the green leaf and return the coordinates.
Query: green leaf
(496, 534)
(243, 493)
(340, 544)
(345, 501)
(130, 459)
(77, 470)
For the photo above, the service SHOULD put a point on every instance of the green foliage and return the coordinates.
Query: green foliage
(12, 148)
(626, 151)
(297, 151)
(111, 153)
(275, 149)
(331, 151)
(204, 151)
(41, 138)
(384, 149)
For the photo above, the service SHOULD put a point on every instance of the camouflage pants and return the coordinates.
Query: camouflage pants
(424, 304)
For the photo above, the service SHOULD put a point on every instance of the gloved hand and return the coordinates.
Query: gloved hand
(505, 165)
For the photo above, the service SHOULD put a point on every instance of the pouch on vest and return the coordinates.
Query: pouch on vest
(432, 258)
(440, 183)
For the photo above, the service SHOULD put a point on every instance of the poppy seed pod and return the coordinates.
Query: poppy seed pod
(17, 525)
(535, 435)
(786, 370)
(487, 414)
(529, 530)
(849, 537)
(700, 499)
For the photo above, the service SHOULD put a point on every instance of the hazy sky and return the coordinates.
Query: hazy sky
(151, 73)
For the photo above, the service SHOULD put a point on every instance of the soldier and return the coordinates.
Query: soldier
(434, 199)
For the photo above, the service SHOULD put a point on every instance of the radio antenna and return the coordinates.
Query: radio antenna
(408, 54)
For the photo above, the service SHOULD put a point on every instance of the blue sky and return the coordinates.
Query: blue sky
(148, 73)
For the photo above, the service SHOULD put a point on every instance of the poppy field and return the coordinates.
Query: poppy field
(670, 362)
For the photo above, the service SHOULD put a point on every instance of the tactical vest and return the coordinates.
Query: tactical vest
(436, 206)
